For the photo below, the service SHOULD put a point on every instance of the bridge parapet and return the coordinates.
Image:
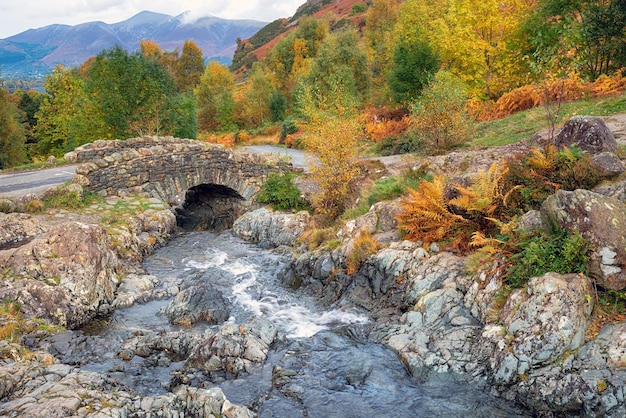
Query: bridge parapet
(166, 167)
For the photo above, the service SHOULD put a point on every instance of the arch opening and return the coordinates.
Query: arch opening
(212, 207)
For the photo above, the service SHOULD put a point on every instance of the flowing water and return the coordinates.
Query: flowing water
(333, 370)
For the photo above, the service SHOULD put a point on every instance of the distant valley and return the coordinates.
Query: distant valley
(35, 52)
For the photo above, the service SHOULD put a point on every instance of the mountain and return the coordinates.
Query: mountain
(35, 52)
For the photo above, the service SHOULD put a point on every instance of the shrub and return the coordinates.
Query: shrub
(522, 98)
(541, 253)
(465, 216)
(288, 127)
(440, 115)
(280, 191)
(358, 8)
(364, 246)
(543, 172)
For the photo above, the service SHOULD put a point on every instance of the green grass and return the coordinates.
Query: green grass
(523, 125)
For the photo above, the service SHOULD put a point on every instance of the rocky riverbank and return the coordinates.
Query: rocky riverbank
(63, 268)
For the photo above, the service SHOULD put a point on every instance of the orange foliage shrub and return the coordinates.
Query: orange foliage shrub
(364, 246)
(227, 140)
(553, 89)
(521, 98)
(608, 85)
(378, 130)
(383, 123)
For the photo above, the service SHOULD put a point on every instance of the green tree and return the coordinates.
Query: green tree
(439, 115)
(12, 137)
(604, 37)
(414, 64)
(215, 97)
(337, 79)
(380, 19)
(129, 92)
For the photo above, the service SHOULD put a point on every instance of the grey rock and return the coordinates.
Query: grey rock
(601, 221)
(198, 304)
(608, 164)
(271, 229)
(589, 133)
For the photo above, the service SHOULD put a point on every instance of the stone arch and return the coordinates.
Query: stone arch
(210, 206)
(183, 172)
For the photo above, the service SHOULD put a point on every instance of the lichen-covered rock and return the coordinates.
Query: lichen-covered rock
(271, 229)
(40, 387)
(589, 133)
(381, 217)
(543, 321)
(601, 221)
(68, 274)
(18, 227)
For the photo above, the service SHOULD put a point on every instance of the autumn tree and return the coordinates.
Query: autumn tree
(215, 96)
(189, 67)
(12, 138)
(471, 38)
(59, 116)
(290, 56)
(380, 19)
(337, 78)
(252, 102)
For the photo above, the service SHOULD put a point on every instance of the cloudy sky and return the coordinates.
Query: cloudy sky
(18, 16)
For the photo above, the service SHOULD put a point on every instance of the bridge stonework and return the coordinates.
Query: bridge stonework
(166, 168)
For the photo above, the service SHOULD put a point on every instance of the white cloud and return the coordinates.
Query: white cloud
(17, 17)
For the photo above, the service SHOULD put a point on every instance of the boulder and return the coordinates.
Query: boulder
(234, 349)
(196, 304)
(589, 133)
(608, 164)
(271, 229)
(68, 274)
(16, 228)
(602, 222)
(542, 322)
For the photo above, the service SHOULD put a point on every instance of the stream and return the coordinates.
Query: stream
(333, 369)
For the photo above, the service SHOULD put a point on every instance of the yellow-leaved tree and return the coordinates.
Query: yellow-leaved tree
(471, 38)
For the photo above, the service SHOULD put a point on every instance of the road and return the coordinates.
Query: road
(297, 157)
(19, 183)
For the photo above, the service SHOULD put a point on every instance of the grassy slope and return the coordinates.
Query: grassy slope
(524, 125)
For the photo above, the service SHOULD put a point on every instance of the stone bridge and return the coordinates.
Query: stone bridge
(208, 185)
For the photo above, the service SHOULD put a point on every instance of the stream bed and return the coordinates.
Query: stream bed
(323, 365)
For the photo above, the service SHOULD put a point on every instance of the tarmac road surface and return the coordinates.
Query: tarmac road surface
(16, 184)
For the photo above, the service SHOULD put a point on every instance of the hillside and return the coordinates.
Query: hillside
(36, 51)
(257, 46)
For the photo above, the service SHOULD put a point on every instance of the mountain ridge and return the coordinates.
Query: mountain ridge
(35, 52)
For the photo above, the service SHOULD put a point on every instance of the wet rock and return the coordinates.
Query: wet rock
(271, 229)
(68, 274)
(137, 288)
(602, 222)
(589, 133)
(196, 304)
(234, 349)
